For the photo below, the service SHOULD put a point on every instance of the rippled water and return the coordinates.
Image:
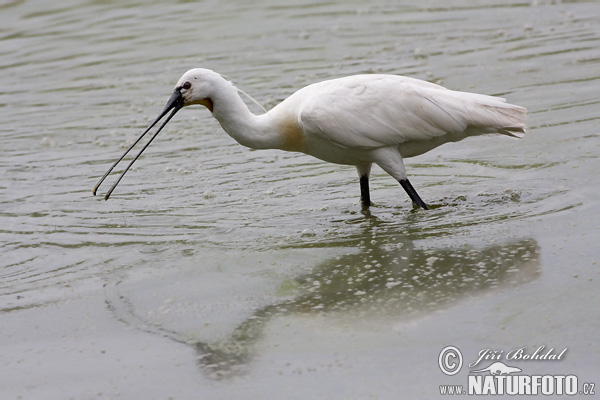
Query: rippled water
(215, 271)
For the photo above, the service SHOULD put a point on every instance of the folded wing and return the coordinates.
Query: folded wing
(370, 111)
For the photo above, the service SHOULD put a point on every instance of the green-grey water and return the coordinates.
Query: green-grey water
(218, 272)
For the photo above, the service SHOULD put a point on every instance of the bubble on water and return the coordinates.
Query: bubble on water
(431, 260)
(209, 194)
(47, 142)
(308, 233)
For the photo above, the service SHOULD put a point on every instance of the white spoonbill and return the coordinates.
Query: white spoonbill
(357, 120)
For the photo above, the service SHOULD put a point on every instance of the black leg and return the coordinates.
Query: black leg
(412, 193)
(365, 196)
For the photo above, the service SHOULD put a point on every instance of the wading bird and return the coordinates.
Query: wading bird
(357, 120)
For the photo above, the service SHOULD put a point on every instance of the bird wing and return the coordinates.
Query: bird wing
(370, 111)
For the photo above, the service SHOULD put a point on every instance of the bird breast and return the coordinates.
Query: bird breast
(291, 134)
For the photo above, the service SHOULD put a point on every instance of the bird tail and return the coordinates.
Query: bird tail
(496, 116)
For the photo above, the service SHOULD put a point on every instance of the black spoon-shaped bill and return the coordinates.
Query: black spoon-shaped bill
(175, 103)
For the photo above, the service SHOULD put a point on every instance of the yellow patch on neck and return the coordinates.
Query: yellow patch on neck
(207, 103)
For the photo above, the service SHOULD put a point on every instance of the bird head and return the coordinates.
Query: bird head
(194, 87)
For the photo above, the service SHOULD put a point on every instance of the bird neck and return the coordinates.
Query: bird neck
(240, 123)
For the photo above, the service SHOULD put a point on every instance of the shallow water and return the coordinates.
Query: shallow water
(215, 271)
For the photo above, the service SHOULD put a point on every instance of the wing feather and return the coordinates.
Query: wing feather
(370, 111)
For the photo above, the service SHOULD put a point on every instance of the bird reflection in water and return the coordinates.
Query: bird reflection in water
(389, 279)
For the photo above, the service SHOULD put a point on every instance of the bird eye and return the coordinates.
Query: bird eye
(186, 85)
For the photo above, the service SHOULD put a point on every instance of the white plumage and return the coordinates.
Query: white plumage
(357, 120)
